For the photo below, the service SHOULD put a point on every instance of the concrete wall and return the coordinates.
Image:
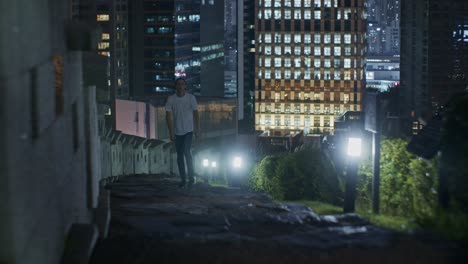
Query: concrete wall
(45, 179)
(125, 155)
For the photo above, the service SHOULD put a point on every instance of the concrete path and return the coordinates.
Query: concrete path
(154, 221)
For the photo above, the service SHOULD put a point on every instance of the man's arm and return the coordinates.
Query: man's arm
(170, 125)
(196, 122)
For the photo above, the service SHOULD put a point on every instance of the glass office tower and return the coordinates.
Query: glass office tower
(310, 60)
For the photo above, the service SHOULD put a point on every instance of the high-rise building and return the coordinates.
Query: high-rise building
(434, 61)
(384, 26)
(170, 39)
(248, 65)
(310, 57)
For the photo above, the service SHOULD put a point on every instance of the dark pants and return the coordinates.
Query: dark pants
(183, 145)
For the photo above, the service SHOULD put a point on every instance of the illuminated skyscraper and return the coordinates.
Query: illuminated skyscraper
(309, 62)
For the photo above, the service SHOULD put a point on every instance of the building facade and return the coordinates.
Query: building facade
(434, 61)
(310, 59)
(171, 39)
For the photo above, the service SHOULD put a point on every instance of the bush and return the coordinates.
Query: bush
(306, 174)
(407, 183)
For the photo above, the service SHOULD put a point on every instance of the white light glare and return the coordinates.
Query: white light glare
(237, 162)
(205, 163)
(213, 164)
(354, 147)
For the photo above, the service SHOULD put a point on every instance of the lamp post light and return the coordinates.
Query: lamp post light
(354, 150)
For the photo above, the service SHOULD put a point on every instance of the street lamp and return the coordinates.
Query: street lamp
(354, 149)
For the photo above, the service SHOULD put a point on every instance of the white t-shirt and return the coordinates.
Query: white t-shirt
(182, 112)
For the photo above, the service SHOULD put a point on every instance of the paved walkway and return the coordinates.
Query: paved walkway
(154, 221)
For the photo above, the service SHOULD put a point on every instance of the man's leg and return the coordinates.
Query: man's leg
(179, 143)
(188, 156)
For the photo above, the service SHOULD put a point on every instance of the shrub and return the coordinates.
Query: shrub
(305, 174)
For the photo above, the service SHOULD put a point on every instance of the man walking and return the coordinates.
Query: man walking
(183, 121)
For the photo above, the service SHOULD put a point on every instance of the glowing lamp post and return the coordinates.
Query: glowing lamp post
(234, 176)
(354, 149)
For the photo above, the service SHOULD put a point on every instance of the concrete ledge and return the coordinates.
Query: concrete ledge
(80, 244)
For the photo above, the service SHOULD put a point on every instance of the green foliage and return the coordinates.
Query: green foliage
(407, 183)
(304, 174)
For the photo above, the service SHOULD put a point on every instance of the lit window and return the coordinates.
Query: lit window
(307, 74)
(337, 75)
(347, 14)
(287, 38)
(317, 109)
(267, 3)
(103, 45)
(102, 17)
(337, 39)
(287, 74)
(317, 38)
(277, 62)
(346, 98)
(347, 38)
(317, 14)
(326, 74)
(327, 51)
(277, 97)
(307, 38)
(287, 50)
(267, 38)
(307, 14)
(336, 63)
(297, 62)
(307, 62)
(317, 74)
(327, 63)
(297, 50)
(277, 74)
(277, 14)
(105, 36)
(278, 50)
(297, 74)
(316, 63)
(317, 3)
(277, 120)
(277, 38)
(347, 75)
(327, 38)
(347, 63)
(307, 3)
(297, 38)
(307, 50)
(267, 62)
(337, 51)
(287, 3)
(317, 51)
(297, 3)
(297, 14)
(347, 51)
(287, 13)
(287, 62)
(267, 14)
(327, 3)
(267, 74)
(287, 110)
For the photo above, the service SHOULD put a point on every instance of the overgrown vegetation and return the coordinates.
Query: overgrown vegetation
(408, 188)
(306, 174)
